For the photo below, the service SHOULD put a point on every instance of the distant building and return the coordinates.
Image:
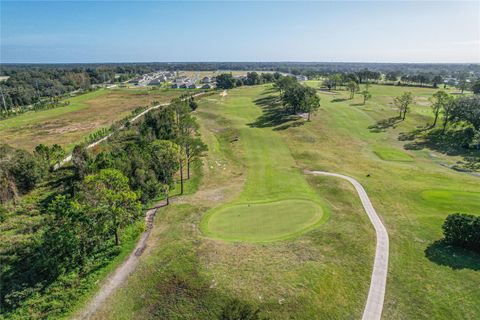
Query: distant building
(191, 85)
(156, 81)
(175, 86)
(206, 80)
(302, 78)
(207, 86)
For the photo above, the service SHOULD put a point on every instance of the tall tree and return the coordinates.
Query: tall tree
(166, 162)
(353, 87)
(403, 103)
(311, 101)
(109, 195)
(476, 87)
(284, 82)
(225, 81)
(194, 149)
(438, 100)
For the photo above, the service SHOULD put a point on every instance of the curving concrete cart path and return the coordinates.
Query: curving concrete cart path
(376, 293)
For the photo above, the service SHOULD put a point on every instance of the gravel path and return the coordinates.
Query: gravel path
(376, 293)
(119, 276)
(134, 119)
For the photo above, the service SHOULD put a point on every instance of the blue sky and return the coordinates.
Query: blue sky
(107, 31)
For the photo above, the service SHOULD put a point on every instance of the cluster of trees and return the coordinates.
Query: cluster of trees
(420, 79)
(461, 112)
(28, 85)
(20, 172)
(296, 97)
(228, 81)
(462, 230)
(338, 80)
(455, 112)
(95, 199)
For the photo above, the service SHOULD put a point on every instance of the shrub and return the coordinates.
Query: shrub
(462, 230)
(239, 310)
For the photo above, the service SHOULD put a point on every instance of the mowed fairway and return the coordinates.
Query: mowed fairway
(258, 229)
(85, 114)
(324, 273)
(277, 201)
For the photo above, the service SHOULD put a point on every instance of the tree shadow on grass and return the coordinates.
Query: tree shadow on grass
(274, 115)
(339, 100)
(384, 124)
(451, 256)
(452, 142)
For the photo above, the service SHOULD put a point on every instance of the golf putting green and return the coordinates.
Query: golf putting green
(276, 201)
(257, 222)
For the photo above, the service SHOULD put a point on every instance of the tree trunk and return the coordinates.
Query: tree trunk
(181, 177)
(188, 169)
(435, 121)
(308, 119)
(117, 240)
(445, 122)
(167, 198)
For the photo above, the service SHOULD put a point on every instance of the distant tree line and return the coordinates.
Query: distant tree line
(28, 83)
(90, 203)
(228, 81)
(31, 85)
(339, 80)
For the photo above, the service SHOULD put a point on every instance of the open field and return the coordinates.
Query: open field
(274, 188)
(186, 274)
(189, 271)
(85, 114)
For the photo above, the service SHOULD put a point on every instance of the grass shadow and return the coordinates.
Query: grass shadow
(452, 142)
(451, 256)
(273, 115)
(339, 100)
(383, 125)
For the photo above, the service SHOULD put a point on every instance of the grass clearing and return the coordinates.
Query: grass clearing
(271, 178)
(323, 273)
(264, 221)
(85, 114)
(186, 275)
(390, 154)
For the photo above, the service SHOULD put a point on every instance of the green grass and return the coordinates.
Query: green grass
(84, 115)
(271, 178)
(450, 200)
(264, 221)
(390, 154)
(189, 275)
(407, 196)
(323, 273)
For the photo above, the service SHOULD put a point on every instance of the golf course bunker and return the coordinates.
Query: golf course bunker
(262, 222)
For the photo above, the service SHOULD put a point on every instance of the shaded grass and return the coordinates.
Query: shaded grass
(456, 258)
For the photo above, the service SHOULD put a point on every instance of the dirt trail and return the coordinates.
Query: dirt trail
(134, 119)
(118, 277)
